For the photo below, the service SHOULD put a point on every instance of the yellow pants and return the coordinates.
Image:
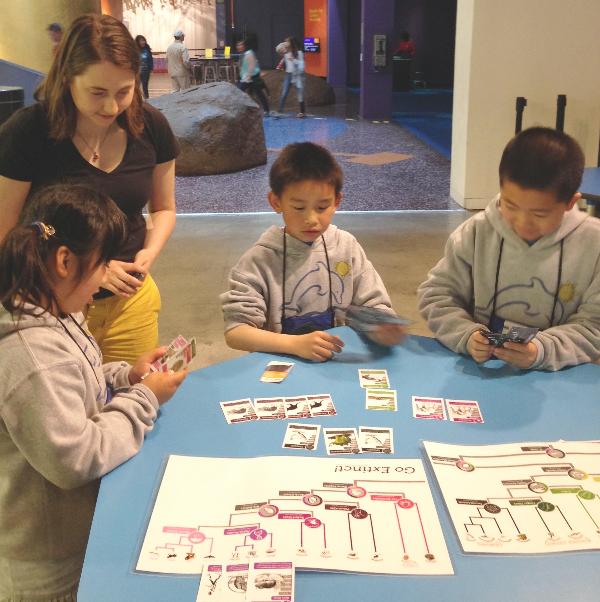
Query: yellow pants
(126, 328)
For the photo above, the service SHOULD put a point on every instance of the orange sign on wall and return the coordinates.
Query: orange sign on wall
(315, 26)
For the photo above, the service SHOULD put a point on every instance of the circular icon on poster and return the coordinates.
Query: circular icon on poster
(537, 487)
(579, 475)
(555, 453)
(356, 491)
(465, 466)
(359, 513)
(405, 504)
(268, 510)
(196, 537)
(546, 506)
(312, 522)
(312, 499)
(492, 508)
(258, 534)
(586, 495)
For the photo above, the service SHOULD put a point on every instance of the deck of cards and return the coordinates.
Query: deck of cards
(516, 334)
(178, 355)
(367, 319)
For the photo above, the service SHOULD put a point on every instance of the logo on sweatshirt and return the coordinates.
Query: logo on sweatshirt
(342, 268)
(566, 292)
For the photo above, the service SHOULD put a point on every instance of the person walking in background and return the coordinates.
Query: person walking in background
(294, 74)
(146, 63)
(178, 63)
(250, 79)
(55, 33)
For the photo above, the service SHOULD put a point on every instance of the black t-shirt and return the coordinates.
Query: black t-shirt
(28, 154)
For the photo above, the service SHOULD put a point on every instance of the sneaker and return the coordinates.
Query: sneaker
(301, 115)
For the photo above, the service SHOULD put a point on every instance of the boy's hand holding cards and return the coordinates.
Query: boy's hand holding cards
(516, 334)
(382, 327)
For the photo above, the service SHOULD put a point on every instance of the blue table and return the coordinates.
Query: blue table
(517, 406)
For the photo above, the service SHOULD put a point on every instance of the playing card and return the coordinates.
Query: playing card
(211, 583)
(431, 408)
(460, 410)
(376, 440)
(270, 408)
(296, 407)
(238, 410)
(521, 334)
(340, 441)
(178, 355)
(275, 372)
(515, 334)
(270, 581)
(381, 399)
(321, 405)
(301, 436)
(367, 319)
(373, 379)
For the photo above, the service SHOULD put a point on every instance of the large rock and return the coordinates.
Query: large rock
(219, 128)
(317, 91)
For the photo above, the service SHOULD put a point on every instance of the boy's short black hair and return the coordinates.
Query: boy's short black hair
(544, 159)
(305, 161)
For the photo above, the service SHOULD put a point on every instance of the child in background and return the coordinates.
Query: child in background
(285, 291)
(530, 259)
(58, 433)
(294, 74)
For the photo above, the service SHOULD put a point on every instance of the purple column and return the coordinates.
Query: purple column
(376, 83)
(337, 17)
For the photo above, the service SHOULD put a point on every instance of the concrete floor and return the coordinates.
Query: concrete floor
(192, 270)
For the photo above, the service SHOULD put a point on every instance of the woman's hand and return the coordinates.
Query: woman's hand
(119, 280)
(145, 258)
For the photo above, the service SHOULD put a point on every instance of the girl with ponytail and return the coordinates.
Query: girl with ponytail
(58, 432)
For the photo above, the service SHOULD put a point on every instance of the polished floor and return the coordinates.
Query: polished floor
(403, 245)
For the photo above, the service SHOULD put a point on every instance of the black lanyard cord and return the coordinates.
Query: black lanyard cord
(284, 276)
(558, 283)
(91, 341)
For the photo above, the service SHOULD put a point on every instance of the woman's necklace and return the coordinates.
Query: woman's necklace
(95, 151)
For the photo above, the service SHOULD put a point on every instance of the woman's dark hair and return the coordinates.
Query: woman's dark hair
(89, 40)
(84, 220)
(138, 39)
(541, 158)
(302, 161)
(293, 46)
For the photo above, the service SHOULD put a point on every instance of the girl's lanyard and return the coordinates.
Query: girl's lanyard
(94, 346)
(312, 321)
(492, 321)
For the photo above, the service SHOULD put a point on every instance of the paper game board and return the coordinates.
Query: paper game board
(339, 514)
(521, 498)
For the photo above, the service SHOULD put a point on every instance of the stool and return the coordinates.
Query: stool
(210, 73)
(225, 72)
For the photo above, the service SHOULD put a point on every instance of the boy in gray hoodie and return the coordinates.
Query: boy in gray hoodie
(287, 289)
(530, 259)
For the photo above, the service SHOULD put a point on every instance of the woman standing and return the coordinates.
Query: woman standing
(294, 74)
(146, 63)
(91, 126)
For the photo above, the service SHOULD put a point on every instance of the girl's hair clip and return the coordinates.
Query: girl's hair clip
(44, 231)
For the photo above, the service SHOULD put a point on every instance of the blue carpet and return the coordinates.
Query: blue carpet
(428, 115)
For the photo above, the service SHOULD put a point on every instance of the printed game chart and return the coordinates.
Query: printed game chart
(339, 514)
(521, 498)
